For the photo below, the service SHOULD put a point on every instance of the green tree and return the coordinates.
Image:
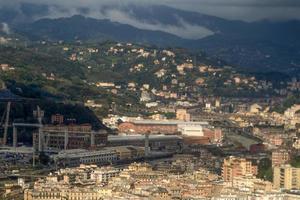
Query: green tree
(295, 162)
(265, 169)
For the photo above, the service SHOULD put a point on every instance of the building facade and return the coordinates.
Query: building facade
(73, 158)
(286, 177)
(280, 157)
(237, 167)
(156, 142)
(148, 126)
(57, 119)
(182, 114)
(59, 137)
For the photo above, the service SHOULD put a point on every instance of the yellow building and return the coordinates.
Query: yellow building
(182, 114)
(129, 152)
(280, 157)
(286, 177)
(237, 167)
(250, 183)
(69, 194)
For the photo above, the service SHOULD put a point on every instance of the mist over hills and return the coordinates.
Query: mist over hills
(88, 29)
(262, 45)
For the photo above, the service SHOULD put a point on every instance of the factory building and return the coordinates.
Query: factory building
(59, 137)
(192, 128)
(109, 155)
(192, 132)
(155, 142)
(208, 136)
(148, 126)
(162, 127)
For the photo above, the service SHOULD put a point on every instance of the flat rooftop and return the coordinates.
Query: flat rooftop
(168, 122)
(79, 153)
(22, 150)
(112, 138)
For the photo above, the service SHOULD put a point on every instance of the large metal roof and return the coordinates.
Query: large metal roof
(112, 138)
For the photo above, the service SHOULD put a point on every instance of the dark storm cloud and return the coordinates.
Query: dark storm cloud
(248, 10)
(246, 3)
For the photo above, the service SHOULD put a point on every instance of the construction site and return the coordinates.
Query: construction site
(35, 145)
(26, 144)
(46, 138)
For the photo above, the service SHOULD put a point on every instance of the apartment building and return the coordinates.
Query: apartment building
(280, 157)
(286, 177)
(237, 167)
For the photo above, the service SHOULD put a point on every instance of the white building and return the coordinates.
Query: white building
(80, 156)
(145, 96)
(104, 174)
(105, 84)
(192, 128)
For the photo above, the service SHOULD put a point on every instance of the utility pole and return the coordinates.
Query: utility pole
(33, 153)
(113, 107)
(92, 139)
(195, 61)
(39, 114)
(147, 147)
(41, 135)
(6, 123)
(15, 137)
(66, 139)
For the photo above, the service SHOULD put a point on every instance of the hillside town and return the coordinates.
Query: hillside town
(200, 153)
(129, 121)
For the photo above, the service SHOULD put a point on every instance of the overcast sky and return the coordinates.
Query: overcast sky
(249, 10)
